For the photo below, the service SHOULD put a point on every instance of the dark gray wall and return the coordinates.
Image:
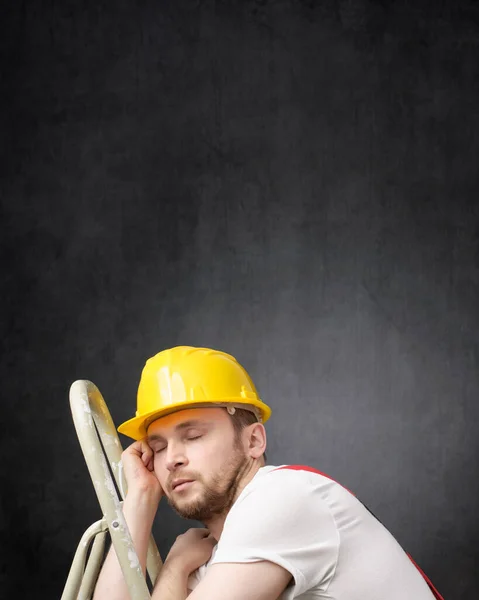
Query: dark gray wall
(292, 182)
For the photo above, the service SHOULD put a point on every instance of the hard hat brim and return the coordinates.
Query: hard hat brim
(136, 427)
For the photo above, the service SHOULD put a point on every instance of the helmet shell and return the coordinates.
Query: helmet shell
(189, 377)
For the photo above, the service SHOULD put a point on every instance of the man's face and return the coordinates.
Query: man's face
(198, 447)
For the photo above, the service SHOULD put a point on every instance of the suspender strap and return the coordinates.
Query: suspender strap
(437, 595)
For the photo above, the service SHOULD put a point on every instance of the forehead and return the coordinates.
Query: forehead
(200, 415)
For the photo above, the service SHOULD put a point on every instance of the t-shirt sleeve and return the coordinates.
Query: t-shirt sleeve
(283, 519)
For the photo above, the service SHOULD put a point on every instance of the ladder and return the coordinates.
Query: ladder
(102, 451)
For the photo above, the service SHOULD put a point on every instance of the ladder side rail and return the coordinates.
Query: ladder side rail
(107, 432)
(82, 394)
(93, 567)
(73, 583)
(153, 560)
(113, 449)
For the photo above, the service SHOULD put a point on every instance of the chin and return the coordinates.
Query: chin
(188, 508)
(193, 513)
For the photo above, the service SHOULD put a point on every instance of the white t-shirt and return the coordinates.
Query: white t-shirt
(334, 548)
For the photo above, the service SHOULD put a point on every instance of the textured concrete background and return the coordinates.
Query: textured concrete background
(292, 182)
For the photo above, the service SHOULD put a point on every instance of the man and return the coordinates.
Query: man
(270, 532)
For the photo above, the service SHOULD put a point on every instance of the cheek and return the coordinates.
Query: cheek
(214, 456)
(159, 469)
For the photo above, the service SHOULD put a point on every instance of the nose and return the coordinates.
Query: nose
(175, 457)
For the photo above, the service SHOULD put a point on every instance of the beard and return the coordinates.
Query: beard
(217, 496)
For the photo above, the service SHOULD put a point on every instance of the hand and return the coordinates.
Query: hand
(191, 550)
(137, 462)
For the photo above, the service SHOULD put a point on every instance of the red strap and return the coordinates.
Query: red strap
(437, 595)
(303, 468)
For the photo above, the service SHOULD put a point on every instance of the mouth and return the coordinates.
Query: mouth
(181, 484)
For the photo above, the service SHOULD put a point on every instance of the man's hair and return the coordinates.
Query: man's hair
(241, 419)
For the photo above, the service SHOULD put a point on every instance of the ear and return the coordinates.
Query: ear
(256, 440)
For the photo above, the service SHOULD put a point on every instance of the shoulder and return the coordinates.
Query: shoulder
(288, 482)
(290, 497)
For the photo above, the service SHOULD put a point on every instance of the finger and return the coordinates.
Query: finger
(146, 453)
(135, 444)
(198, 532)
(134, 448)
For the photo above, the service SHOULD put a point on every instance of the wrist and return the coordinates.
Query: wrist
(141, 504)
(177, 567)
(172, 581)
(146, 496)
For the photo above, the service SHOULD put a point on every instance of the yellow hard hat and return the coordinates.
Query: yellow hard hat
(188, 377)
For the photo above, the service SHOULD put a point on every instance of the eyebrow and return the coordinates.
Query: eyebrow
(180, 427)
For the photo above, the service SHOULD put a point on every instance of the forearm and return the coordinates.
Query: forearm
(171, 583)
(139, 510)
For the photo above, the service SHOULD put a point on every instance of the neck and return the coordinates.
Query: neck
(216, 524)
